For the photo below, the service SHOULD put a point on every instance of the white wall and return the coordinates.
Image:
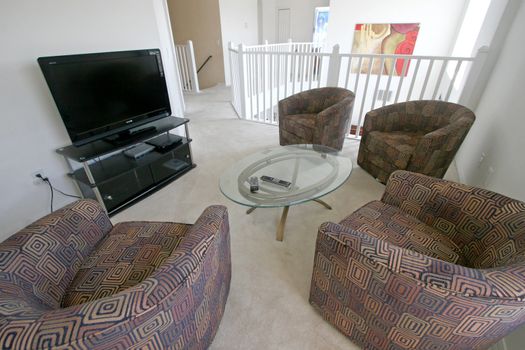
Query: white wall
(301, 21)
(31, 125)
(498, 130)
(439, 19)
(269, 21)
(492, 33)
(490, 24)
(238, 25)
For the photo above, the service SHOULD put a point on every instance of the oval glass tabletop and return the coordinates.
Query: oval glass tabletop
(312, 171)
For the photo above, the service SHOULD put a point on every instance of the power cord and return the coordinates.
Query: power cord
(50, 190)
(53, 189)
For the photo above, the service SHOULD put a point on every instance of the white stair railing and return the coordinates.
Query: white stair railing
(187, 67)
(264, 74)
(418, 78)
(282, 47)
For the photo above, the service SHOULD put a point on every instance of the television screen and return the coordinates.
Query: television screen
(101, 94)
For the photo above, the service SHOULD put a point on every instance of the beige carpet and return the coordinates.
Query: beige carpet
(268, 304)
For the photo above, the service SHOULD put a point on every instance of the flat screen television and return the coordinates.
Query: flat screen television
(104, 94)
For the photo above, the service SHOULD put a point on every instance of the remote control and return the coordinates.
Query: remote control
(254, 184)
(276, 181)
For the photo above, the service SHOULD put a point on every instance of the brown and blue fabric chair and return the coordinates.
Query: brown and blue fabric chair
(418, 136)
(318, 116)
(72, 280)
(433, 265)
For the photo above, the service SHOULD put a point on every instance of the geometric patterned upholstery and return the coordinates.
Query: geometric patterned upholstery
(317, 116)
(418, 136)
(300, 127)
(179, 304)
(45, 256)
(391, 224)
(391, 150)
(123, 259)
(488, 227)
(386, 293)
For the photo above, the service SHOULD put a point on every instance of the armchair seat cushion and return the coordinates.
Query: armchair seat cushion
(391, 224)
(395, 147)
(299, 127)
(129, 254)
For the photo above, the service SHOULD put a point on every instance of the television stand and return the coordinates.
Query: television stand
(103, 172)
(130, 135)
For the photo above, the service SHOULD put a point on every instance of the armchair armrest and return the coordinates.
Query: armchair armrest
(339, 110)
(436, 149)
(333, 121)
(210, 231)
(443, 277)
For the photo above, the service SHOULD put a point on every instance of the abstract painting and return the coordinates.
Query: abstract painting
(386, 39)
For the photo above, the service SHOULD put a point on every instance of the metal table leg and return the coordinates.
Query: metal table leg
(280, 228)
(323, 203)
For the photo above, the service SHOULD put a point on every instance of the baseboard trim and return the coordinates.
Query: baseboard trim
(501, 345)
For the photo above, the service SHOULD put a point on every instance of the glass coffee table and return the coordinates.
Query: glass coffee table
(312, 171)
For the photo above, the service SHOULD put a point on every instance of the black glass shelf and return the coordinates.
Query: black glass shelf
(116, 165)
(101, 148)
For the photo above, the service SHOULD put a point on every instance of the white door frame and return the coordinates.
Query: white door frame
(169, 60)
(277, 24)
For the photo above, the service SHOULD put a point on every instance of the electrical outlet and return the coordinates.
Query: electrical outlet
(37, 180)
(488, 174)
(482, 157)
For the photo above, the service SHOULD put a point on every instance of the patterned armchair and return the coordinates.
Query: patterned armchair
(73, 280)
(418, 136)
(433, 265)
(317, 116)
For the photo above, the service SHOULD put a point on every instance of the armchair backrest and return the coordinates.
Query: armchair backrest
(42, 259)
(423, 117)
(331, 96)
(429, 115)
(314, 101)
(499, 236)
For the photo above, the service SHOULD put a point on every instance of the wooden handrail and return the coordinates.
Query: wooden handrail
(200, 68)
